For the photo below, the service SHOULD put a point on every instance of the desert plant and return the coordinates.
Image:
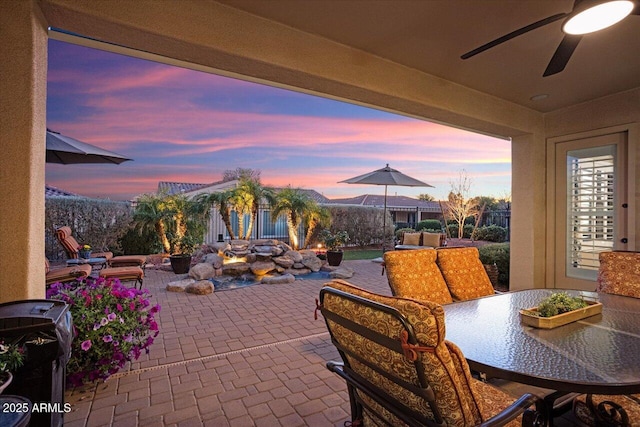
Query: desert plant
(334, 241)
(558, 303)
(112, 325)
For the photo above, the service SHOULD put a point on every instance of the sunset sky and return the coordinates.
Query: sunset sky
(189, 126)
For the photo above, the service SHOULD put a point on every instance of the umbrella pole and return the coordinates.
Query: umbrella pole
(384, 222)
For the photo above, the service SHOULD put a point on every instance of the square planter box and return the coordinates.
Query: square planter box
(529, 319)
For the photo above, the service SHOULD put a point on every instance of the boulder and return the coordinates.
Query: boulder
(298, 265)
(283, 261)
(313, 263)
(277, 280)
(201, 287)
(236, 268)
(294, 255)
(251, 258)
(297, 271)
(202, 271)
(341, 273)
(221, 247)
(179, 285)
(260, 268)
(307, 253)
(214, 259)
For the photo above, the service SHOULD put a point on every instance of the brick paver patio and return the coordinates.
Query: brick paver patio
(252, 356)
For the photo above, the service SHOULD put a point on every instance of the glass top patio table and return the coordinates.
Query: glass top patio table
(598, 354)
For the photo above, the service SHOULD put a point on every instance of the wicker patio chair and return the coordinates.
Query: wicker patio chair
(399, 369)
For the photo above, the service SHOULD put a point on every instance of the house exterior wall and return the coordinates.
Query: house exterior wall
(22, 119)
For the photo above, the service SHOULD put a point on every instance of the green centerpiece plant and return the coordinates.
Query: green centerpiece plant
(558, 303)
(334, 242)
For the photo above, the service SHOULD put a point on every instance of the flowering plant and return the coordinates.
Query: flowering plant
(84, 247)
(112, 324)
(11, 357)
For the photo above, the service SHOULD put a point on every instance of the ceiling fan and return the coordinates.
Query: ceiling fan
(586, 17)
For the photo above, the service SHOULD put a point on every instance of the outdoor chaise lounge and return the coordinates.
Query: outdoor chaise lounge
(400, 370)
(66, 274)
(440, 275)
(70, 245)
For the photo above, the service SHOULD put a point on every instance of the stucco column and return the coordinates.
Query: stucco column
(527, 249)
(23, 88)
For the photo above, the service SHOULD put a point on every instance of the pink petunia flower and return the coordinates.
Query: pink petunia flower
(86, 345)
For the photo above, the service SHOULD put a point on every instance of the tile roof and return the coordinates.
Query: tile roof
(177, 187)
(51, 191)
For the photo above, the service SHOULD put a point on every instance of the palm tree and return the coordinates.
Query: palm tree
(248, 196)
(222, 200)
(317, 216)
(296, 205)
(151, 213)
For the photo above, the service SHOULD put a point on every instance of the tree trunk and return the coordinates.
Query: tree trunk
(163, 236)
(293, 233)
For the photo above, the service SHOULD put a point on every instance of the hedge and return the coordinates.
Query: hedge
(491, 233)
(363, 223)
(497, 254)
(96, 222)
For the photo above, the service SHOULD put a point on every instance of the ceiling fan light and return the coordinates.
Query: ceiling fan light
(597, 17)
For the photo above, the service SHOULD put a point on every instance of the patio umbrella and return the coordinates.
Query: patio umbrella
(386, 176)
(65, 150)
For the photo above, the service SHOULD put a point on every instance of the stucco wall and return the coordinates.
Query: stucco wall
(22, 120)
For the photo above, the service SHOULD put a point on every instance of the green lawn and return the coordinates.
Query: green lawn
(354, 254)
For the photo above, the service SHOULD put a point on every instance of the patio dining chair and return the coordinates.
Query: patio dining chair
(400, 370)
(619, 273)
(464, 273)
(414, 274)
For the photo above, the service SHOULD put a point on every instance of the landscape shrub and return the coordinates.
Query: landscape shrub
(135, 243)
(96, 222)
(491, 233)
(429, 225)
(497, 254)
(362, 223)
(466, 233)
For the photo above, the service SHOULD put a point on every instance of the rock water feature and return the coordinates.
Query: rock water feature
(245, 262)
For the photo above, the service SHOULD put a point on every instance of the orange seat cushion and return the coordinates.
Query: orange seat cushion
(414, 274)
(128, 260)
(67, 274)
(464, 273)
(122, 273)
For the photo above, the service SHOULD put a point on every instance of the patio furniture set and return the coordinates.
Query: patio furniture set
(101, 264)
(401, 369)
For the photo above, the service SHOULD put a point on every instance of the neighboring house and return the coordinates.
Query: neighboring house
(403, 209)
(51, 191)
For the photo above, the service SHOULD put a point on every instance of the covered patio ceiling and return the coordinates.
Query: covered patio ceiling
(430, 36)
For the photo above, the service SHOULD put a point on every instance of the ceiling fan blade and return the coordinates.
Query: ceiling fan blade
(514, 34)
(562, 55)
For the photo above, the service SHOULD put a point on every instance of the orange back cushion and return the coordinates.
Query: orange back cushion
(68, 242)
(464, 273)
(414, 274)
(619, 273)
